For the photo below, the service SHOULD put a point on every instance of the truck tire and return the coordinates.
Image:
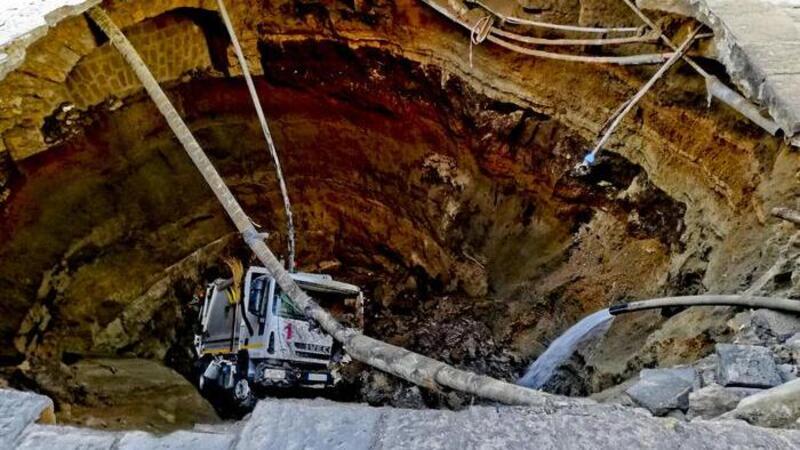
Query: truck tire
(243, 395)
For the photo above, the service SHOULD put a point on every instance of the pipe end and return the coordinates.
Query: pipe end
(618, 309)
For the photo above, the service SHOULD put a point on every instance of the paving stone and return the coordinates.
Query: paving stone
(38, 437)
(139, 440)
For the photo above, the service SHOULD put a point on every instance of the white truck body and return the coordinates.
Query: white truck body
(263, 338)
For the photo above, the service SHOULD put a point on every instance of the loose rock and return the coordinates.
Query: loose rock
(747, 366)
(788, 372)
(776, 407)
(714, 400)
(707, 369)
(663, 390)
(763, 326)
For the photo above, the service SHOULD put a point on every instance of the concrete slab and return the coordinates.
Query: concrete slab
(325, 424)
(37, 437)
(17, 411)
(758, 41)
(194, 440)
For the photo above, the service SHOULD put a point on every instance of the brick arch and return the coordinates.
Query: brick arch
(171, 44)
(47, 78)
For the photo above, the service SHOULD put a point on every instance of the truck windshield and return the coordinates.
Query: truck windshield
(285, 308)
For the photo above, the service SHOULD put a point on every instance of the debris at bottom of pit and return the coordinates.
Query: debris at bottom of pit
(121, 393)
(776, 407)
(747, 366)
(663, 390)
(378, 388)
(715, 400)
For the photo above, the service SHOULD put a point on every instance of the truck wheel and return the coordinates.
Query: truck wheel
(244, 395)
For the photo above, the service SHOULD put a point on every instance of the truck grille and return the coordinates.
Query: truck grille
(311, 355)
(312, 348)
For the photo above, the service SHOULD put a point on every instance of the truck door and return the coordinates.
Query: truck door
(258, 288)
(221, 330)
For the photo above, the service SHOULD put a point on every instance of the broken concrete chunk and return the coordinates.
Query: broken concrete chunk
(689, 374)
(747, 366)
(779, 324)
(714, 400)
(776, 407)
(273, 424)
(792, 348)
(663, 390)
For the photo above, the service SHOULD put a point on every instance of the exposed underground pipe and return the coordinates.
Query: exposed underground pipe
(778, 304)
(630, 60)
(541, 370)
(629, 104)
(647, 39)
(552, 26)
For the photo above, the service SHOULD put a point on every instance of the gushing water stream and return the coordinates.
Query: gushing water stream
(540, 371)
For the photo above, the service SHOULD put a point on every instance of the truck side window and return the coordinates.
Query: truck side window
(286, 308)
(258, 289)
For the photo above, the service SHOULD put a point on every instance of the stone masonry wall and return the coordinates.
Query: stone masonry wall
(32, 91)
(170, 45)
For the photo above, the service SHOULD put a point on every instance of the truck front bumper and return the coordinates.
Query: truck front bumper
(294, 377)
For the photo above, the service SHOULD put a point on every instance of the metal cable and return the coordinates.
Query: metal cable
(267, 134)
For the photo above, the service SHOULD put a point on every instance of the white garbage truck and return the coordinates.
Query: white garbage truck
(257, 337)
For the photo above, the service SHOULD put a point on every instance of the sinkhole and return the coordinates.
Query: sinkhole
(451, 202)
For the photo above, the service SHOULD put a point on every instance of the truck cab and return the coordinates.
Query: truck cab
(259, 338)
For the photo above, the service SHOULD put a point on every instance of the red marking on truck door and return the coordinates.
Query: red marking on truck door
(288, 329)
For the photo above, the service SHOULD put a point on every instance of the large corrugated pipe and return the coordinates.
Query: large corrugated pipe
(779, 304)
